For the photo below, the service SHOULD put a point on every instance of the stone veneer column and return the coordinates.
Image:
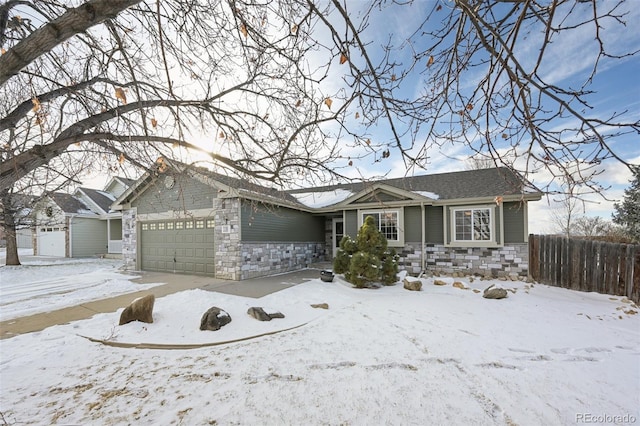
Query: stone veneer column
(129, 239)
(228, 260)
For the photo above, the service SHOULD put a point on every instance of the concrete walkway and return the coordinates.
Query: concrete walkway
(256, 288)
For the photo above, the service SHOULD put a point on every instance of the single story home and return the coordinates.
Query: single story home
(190, 220)
(80, 224)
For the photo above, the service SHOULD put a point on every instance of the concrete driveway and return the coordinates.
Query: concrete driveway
(255, 287)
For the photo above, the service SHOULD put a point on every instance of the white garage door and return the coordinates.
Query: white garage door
(51, 242)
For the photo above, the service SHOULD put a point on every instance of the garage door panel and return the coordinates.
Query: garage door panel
(165, 248)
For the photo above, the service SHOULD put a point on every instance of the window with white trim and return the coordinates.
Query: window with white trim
(387, 221)
(473, 224)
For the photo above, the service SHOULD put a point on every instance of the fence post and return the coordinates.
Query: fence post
(534, 257)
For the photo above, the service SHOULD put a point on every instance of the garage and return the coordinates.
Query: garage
(181, 246)
(51, 241)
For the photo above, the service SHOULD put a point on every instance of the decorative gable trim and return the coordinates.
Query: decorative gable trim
(382, 194)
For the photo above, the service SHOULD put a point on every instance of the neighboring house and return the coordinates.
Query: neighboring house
(188, 220)
(82, 224)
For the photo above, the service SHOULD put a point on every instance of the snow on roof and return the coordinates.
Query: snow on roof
(428, 194)
(322, 199)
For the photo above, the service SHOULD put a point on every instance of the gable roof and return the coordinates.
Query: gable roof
(482, 183)
(68, 203)
(102, 199)
(231, 185)
(470, 184)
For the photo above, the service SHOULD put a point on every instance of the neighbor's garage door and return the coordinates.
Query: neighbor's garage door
(182, 246)
(51, 241)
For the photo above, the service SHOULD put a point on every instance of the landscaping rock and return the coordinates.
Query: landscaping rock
(413, 285)
(439, 282)
(494, 293)
(460, 285)
(320, 306)
(260, 314)
(141, 309)
(214, 318)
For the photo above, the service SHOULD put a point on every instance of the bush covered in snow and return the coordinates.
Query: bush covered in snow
(367, 259)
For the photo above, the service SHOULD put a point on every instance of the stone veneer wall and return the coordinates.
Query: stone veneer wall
(129, 239)
(261, 259)
(512, 259)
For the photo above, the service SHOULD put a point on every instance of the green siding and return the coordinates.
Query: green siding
(412, 224)
(88, 237)
(351, 223)
(435, 224)
(379, 196)
(187, 194)
(513, 222)
(271, 223)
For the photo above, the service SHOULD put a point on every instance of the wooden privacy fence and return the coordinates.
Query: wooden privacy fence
(586, 265)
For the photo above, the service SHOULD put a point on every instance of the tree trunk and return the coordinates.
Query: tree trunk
(8, 224)
(12, 243)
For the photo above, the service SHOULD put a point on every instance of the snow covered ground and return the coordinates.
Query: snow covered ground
(44, 284)
(543, 356)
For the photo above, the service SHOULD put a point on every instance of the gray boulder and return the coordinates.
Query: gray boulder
(494, 293)
(214, 318)
(261, 315)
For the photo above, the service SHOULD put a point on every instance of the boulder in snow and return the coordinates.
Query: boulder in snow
(320, 305)
(261, 315)
(413, 285)
(439, 282)
(141, 309)
(492, 292)
(214, 318)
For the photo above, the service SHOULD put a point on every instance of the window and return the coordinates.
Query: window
(388, 223)
(473, 225)
(211, 223)
(189, 224)
(169, 226)
(180, 225)
(152, 227)
(161, 226)
(145, 226)
(199, 224)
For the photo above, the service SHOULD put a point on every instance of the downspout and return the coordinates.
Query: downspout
(423, 231)
(69, 235)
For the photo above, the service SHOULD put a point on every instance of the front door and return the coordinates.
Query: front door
(338, 233)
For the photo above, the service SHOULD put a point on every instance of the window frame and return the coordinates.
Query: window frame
(491, 242)
(399, 241)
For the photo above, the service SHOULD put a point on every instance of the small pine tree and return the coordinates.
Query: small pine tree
(343, 257)
(367, 259)
(627, 213)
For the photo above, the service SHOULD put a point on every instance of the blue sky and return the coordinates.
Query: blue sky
(616, 86)
(567, 63)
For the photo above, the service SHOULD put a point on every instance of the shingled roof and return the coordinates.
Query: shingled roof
(448, 186)
(68, 203)
(102, 199)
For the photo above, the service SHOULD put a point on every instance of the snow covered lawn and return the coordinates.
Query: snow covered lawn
(44, 284)
(543, 356)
